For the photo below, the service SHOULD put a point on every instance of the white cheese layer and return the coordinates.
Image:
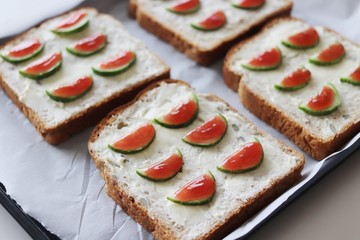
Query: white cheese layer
(232, 190)
(51, 113)
(262, 83)
(238, 20)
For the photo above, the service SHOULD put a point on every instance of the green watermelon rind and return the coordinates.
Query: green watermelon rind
(197, 202)
(317, 62)
(294, 46)
(266, 68)
(329, 110)
(222, 169)
(132, 151)
(280, 87)
(290, 89)
(115, 71)
(192, 203)
(185, 124)
(68, 99)
(24, 58)
(74, 29)
(320, 63)
(192, 10)
(43, 75)
(248, 8)
(350, 80)
(198, 27)
(210, 144)
(85, 54)
(142, 174)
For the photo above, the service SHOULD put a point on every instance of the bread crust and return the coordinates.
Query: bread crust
(132, 7)
(232, 79)
(159, 229)
(310, 143)
(204, 57)
(84, 119)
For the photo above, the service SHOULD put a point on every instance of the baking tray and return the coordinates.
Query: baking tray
(30, 225)
(37, 231)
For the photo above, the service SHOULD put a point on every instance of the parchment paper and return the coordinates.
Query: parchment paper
(60, 186)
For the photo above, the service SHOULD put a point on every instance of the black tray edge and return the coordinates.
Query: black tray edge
(29, 224)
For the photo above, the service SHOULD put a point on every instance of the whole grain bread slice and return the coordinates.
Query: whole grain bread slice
(146, 201)
(97, 103)
(319, 136)
(205, 47)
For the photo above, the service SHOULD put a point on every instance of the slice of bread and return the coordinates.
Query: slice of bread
(132, 8)
(317, 135)
(57, 121)
(204, 47)
(238, 196)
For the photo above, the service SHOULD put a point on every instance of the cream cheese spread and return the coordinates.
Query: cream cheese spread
(262, 83)
(32, 93)
(238, 20)
(232, 190)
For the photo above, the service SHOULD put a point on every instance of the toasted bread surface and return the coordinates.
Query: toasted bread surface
(146, 201)
(57, 121)
(205, 47)
(317, 135)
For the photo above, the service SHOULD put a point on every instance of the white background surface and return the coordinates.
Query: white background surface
(327, 211)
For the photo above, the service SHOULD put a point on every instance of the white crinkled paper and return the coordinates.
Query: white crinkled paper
(60, 185)
(18, 15)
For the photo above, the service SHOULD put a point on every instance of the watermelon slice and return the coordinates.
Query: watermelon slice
(182, 115)
(163, 170)
(248, 158)
(296, 80)
(325, 102)
(73, 91)
(76, 22)
(209, 133)
(248, 4)
(43, 67)
(329, 56)
(199, 191)
(23, 51)
(353, 79)
(185, 6)
(211, 23)
(116, 65)
(88, 46)
(269, 60)
(136, 141)
(303, 40)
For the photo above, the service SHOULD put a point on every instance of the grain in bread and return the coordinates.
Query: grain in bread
(238, 196)
(317, 135)
(204, 47)
(57, 121)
